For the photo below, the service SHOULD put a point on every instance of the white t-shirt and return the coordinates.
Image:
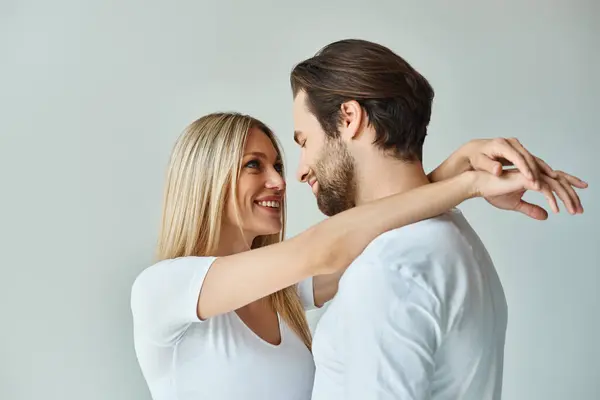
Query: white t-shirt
(183, 358)
(421, 314)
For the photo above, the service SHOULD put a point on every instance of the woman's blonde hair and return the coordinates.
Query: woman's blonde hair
(204, 165)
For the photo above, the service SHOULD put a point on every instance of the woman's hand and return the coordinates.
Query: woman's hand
(506, 191)
(492, 155)
(563, 186)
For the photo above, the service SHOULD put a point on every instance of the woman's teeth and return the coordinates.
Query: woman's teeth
(272, 204)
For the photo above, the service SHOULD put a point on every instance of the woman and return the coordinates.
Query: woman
(220, 315)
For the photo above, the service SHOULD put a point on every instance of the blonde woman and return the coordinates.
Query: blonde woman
(220, 316)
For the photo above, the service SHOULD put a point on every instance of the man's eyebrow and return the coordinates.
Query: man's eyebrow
(296, 136)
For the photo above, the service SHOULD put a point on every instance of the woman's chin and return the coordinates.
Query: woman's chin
(268, 229)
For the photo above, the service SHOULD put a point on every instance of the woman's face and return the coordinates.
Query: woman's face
(261, 188)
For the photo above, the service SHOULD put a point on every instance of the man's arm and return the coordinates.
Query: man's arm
(392, 331)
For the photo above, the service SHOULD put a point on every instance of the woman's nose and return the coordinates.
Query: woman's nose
(275, 181)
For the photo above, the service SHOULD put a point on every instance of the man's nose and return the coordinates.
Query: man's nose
(302, 173)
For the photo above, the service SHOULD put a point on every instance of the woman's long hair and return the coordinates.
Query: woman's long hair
(204, 165)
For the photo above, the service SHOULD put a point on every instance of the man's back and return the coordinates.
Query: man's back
(421, 314)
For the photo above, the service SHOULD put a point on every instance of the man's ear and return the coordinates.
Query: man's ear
(352, 117)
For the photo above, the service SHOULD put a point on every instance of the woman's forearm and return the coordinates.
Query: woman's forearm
(454, 165)
(328, 247)
(340, 239)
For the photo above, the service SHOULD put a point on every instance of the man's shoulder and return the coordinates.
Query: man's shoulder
(434, 235)
(431, 247)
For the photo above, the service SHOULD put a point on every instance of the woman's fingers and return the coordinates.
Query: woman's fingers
(527, 156)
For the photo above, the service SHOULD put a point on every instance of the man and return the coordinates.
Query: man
(421, 314)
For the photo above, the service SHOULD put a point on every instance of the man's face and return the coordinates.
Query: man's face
(325, 163)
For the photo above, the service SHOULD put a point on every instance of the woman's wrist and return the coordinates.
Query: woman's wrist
(454, 165)
(467, 181)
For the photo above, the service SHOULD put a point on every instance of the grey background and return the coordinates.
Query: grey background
(94, 93)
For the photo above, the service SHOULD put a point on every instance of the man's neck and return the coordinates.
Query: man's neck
(380, 176)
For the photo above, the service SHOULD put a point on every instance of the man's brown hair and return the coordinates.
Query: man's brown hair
(396, 98)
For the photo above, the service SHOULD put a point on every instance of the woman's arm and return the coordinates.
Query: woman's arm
(492, 154)
(330, 246)
(489, 155)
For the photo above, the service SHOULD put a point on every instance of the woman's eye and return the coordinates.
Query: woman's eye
(279, 168)
(255, 164)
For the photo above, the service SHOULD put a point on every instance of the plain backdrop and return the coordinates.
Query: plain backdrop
(94, 93)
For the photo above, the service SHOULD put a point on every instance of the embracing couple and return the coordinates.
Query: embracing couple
(416, 307)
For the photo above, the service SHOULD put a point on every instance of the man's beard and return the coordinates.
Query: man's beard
(335, 173)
